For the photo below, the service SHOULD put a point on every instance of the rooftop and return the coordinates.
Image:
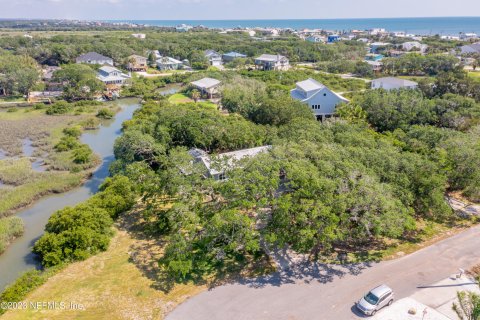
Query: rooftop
(270, 57)
(396, 81)
(310, 85)
(206, 83)
(89, 56)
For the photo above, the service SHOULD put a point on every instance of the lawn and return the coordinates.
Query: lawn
(179, 98)
(474, 74)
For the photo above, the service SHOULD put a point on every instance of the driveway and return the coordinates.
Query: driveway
(318, 291)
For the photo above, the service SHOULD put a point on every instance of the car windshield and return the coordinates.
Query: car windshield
(371, 298)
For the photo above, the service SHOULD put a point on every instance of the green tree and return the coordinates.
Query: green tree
(79, 81)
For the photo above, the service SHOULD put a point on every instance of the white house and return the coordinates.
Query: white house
(112, 76)
(315, 39)
(215, 168)
(214, 58)
(94, 58)
(319, 98)
(272, 62)
(139, 35)
(390, 83)
(168, 63)
(414, 45)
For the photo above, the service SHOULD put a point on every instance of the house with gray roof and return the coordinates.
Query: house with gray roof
(318, 97)
(94, 58)
(216, 167)
(228, 57)
(473, 48)
(214, 58)
(112, 76)
(207, 86)
(391, 83)
(272, 62)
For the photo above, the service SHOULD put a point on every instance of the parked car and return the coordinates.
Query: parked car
(375, 300)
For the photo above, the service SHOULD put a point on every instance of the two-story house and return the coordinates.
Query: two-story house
(272, 62)
(213, 57)
(319, 98)
(137, 63)
(112, 76)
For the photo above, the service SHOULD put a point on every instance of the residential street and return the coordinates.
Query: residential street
(308, 291)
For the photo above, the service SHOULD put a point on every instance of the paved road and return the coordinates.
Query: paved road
(315, 291)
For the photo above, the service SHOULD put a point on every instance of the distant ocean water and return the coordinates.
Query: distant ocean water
(418, 26)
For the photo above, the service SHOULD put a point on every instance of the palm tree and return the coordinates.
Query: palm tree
(195, 94)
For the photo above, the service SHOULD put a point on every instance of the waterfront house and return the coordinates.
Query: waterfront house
(391, 83)
(272, 62)
(94, 58)
(112, 76)
(214, 58)
(216, 168)
(137, 63)
(319, 98)
(169, 63)
(228, 57)
(207, 86)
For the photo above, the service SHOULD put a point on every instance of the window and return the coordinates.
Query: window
(324, 94)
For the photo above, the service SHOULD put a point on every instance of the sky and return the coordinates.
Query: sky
(233, 9)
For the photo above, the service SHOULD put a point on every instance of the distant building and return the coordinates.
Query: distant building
(377, 31)
(315, 39)
(391, 83)
(414, 46)
(319, 98)
(94, 58)
(112, 76)
(214, 58)
(228, 57)
(216, 168)
(470, 48)
(333, 38)
(139, 35)
(168, 63)
(137, 63)
(468, 36)
(376, 66)
(272, 62)
(207, 86)
(183, 28)
(376, 46)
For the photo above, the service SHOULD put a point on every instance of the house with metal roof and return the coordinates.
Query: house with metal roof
(391, 83)
(228, 57)
(207, 86)
(319, 98)
(272, 62)
(112, 76)
(94, 58)
(214, 58)
(216, 167)
(169, 63)
(470, 48)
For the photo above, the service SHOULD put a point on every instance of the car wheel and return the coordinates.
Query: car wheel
(390, 302)
(373, 313)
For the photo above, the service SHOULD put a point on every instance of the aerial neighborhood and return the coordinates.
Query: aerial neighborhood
(180, 171)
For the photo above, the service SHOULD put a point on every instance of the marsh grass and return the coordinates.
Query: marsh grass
(10, 228)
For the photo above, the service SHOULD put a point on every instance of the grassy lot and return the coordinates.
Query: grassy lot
(179, 98)
(474, 74)
(10, 228)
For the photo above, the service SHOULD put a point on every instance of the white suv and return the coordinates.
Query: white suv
(375, 300)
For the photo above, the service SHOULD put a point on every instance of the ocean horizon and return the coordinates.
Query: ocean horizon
(418, 26)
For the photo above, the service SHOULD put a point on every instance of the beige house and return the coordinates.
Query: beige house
(137, 63)
(272, 62)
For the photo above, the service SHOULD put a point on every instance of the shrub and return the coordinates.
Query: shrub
(59, 107)
(75, 131)
(67, 143)
(10, 228)
(14, 109)
(105, 113)
(82, 154)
